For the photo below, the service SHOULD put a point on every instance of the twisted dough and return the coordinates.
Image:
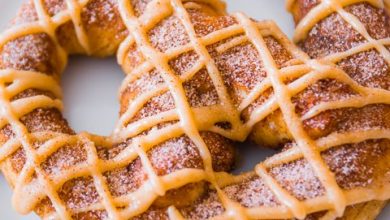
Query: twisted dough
(329, 30)
(160, 161)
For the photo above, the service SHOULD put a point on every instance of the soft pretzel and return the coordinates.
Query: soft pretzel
(352, 34)
(196, 79)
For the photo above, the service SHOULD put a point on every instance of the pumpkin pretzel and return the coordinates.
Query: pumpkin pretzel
(196, 79)
(357, 44)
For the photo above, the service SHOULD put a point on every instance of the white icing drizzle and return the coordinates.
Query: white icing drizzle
(28, 193)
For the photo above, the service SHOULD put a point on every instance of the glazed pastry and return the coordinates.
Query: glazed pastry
(196, 80)
(355, 35)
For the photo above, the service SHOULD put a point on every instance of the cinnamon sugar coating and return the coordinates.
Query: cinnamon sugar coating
(368, 68)
(38, 53)
(242, 70)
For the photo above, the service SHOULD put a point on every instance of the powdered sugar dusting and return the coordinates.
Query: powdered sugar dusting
(65, 158)
(139, 6)
(325, 90)
(54, 7)
(146, 83)
(25, 14)
(241, 69)
(169, 33)
(205, 208)
(153, 214)
(98, 214)
(156, 105)
(206, 23)
(251, 193)
(18, 160)
(278, 52)
(31, 53)
(299, 179)
(200, 90)
(125, 180)
(41, 120)
(368, 69)
(98, 11)
(375, 20)
(183, 62)
(348, 120)
(356, 165)
(173, 155)
(109, 153)
(304, 7)
(79, 193)
(329, 36)
(31, 93)
(179, 153)
(134, 59)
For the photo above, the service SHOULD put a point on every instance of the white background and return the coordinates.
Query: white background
(90, 89)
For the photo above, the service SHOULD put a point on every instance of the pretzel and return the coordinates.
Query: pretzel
(367, 21)
(195, 79)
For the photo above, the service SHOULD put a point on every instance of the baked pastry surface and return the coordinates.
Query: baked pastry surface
(354, 35)
(197, 78)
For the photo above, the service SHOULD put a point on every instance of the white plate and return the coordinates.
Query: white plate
(90, 89)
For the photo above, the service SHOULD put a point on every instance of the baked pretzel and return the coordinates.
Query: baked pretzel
(196, 78)
(352, 34)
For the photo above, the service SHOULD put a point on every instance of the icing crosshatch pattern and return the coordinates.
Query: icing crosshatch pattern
(327, 7)
(285, 81)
